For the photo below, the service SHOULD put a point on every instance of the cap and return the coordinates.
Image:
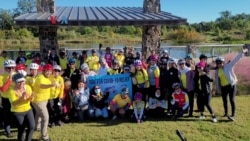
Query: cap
(18, 77)
(72, 61)
(125, 91)
(20, 67)
(138, 96)
(93, 51)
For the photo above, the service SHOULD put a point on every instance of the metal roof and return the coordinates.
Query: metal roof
(95, 16)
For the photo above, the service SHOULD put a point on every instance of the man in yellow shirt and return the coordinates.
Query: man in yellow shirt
(42, 90)
(120, 103)
(54, 105)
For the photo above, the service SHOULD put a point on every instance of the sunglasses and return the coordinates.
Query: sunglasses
(181, 64)
(57, 71)
(9, 68)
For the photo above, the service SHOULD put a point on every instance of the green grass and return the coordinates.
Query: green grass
(160, 130)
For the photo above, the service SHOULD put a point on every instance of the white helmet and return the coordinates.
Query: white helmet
(9, 63)
(57, 67)
(84, 66)
(34, 66)
(219, 59)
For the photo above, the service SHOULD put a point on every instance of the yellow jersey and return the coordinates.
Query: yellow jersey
(23, 106)
(93, 62)
(57, 92)
(3, 78)
(40, 93)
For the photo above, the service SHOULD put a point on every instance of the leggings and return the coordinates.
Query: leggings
(24, 118)
(204, 100)
(231, 91)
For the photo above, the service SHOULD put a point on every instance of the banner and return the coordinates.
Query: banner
(111, 83)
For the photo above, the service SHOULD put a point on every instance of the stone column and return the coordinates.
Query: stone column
(151, 34)
(47, 34)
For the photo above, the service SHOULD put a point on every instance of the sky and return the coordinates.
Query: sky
(195, 11)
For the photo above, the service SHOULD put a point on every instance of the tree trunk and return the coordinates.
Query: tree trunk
(151, 34)
(46, 6)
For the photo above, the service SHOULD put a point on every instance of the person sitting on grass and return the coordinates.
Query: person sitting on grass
(120, 103)
(156, 105)
(180, 101)
(138, 106)
(98, 104)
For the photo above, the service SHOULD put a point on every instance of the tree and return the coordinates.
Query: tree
(6, 20)
(25, 6)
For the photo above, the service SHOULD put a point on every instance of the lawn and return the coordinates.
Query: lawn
(193, 129)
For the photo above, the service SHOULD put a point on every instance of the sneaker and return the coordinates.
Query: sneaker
(202, 117)
(114, 117)
(231, 118)
(58, 123)
(214, 119)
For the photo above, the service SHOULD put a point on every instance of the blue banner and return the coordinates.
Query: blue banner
(111, 83)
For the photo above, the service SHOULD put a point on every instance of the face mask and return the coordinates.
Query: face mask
(157, 95)
(97, 91)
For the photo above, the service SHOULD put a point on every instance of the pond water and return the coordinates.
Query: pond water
(174, 51)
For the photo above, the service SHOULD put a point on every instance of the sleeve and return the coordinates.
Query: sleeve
(135, 111)
(113, 101)
(186, 102)
(157, 77)
(62, 88)
(150, 103)
(235, 60)
(145, 75)
(6, 85)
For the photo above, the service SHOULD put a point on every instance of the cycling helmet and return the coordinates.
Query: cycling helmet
(181, 61)
(9, 63)
(138, 63)
(138, 96)
(219, 59)
(34, 66)
(84, 66)
(176, 85)
(57, 67)
(171, 60)
(47, 67)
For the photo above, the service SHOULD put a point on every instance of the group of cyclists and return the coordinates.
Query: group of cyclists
(43, 92)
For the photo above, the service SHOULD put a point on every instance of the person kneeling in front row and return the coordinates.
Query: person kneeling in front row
(180, 101)
(120, 103)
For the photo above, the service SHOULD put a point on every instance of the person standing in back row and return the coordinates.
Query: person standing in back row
(226, 80)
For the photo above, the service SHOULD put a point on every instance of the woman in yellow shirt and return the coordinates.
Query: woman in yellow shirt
(20, 96)
(140, 79)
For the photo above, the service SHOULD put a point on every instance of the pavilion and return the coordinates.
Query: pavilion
(48, 18)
